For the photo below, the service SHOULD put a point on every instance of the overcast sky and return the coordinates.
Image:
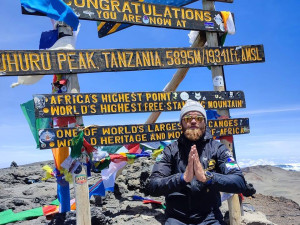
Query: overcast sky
(271, 88)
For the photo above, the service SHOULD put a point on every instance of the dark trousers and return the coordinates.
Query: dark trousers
(213, 218)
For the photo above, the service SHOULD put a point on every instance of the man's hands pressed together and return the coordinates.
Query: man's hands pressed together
(189, 171)
(194, 167)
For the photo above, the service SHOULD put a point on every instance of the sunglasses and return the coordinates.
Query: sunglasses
(189, 119)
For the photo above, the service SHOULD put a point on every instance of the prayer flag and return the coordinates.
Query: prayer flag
(77, 143)
(48, 39)
(55, 9)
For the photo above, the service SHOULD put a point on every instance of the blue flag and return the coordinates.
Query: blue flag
(48, 39)
(212, 114)
(55, 9)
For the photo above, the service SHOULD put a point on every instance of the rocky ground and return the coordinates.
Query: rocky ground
(21, 189)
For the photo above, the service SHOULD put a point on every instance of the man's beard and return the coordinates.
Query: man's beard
(194, 134)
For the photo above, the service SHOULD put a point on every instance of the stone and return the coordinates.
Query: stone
(13, 164)
(28, 192)
(3, 208)
(18, 202)
(255, 218)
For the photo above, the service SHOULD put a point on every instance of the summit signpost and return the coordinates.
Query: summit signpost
(83, 104)
(137, 133)
(145, 14)
(35, 62)
(39, 62)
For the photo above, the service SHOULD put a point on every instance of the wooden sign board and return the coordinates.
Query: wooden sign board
(107, 28)
(139, 133)
(53, 105)
(145, 14)
(38, 62)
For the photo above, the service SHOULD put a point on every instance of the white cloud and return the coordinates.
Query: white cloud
(250, 162)
(278, 148)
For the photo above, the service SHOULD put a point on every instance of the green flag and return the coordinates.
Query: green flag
(34, 124)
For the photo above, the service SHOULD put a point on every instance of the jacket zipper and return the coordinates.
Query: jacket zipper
(189, 204)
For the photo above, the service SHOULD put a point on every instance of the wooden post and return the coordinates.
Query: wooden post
(83, 212)
(178, 76)
(219, 85)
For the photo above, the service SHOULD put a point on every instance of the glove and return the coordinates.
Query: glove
(250, 190)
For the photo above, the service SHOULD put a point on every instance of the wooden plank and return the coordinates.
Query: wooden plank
(83, 104)
(107, 28)
(37, 62)
(226, 1)
(146, 14)
(138, 133)
(234, 210)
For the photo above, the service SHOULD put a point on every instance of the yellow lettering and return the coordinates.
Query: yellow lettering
(55, 110)
(154, 11)
(176, 10)
(79, 5)
(47, 60)
(21, 62)
(61, 143)
(104, 6)
(178, 23)
(90, 60)
(257, 55)
(248, 54)
(138, 60)
(167, 12)
(82, 63)
(32, 61)
(157, 59)
(125, 18)
(69, 109)
(53, 100)
(61, 58)
(243, 56)
(130, 58)
(207, 16)
(253, 53)
(90, 2)
(189, 14)
(146, 58)
(70, 60)
(131, 18)
(93, 108)
(106, 58)
(93, 141)
(198, 15)
(146, 12)
(113, 60)
(136, 6)
(126, 7)
(115, 5)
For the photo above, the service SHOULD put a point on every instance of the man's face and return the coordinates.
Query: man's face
(193, 125)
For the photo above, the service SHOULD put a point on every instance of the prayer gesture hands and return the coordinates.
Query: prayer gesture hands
(194, 167)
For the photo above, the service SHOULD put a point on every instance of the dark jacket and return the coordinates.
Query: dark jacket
(194, 201)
